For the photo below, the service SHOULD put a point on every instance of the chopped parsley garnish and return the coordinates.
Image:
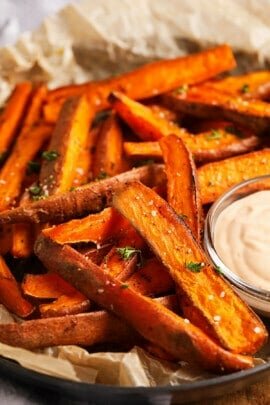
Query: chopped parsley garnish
(245, 88)
(101, 176)
(72, 189)
(214, 134)
(36, 193)
(128, 252)
(218, 270)
(182, 89)
(33, 167)
(183, 216)
(194, 267)
(35, 190)
(50, 155)
(144, 162)
(235, 131)
(124, 286)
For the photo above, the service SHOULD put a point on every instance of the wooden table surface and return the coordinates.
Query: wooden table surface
(256, 394)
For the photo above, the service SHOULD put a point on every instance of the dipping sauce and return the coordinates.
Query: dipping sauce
(242, 238)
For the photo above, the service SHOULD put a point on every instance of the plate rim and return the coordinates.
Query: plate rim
(50, 381)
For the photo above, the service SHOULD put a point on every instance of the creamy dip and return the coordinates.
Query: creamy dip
(242, 238)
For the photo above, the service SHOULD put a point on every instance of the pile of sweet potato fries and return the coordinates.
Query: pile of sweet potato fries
(102, 202)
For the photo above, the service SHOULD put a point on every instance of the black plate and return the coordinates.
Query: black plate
(101, 394)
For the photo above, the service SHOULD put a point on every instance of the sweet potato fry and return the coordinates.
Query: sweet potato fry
(65, 305)
(68, 300)
(96, 255)
(142, 150)
(227, 318)
(23, 239)
(23, 235)
(13, 114)
(97, 228)
(183, 193)
(152, 279)
(119, 267)
(82, 329)
(14, 169)
(147, 125)
(161, 111)
(10, 293)
(83, 173)
(85, 329)
(108, 157)
(210, 103)
(155, 78)
(5, 239)
(35, 108)
(211, 145)
(51, 110)
(215, 178)
(82, 201)
(250, 85)
(224, 145)
(69, 138)
(46, 286)
(153, 321)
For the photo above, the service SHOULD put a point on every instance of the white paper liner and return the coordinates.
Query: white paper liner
(92, 40)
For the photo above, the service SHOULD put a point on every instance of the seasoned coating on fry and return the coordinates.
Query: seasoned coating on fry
(90, 198)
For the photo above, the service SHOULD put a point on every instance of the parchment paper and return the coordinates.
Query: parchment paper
(94, 39)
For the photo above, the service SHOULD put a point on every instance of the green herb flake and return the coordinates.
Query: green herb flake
(182, 89)
(35, 190)
(50, 155)
(194, 267)
(218, 270)
(124, 286)
(245, 88)
(235, 131)
(214, 134)
(33, 167)
(183, 216)
(127, 252)
(72, 189)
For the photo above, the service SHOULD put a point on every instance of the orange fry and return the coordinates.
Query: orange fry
(154, 322)
(236, 326)
(68, 300)
(12, 115)
(92, 197)
(96, 228)
(183, 193)
(13, 172)
(10, 293)
(216, 178)
(250, 85)
(211, 145)
(155, 78)
(69, 138)
(108, 157)
(152, 279)
(210, 103)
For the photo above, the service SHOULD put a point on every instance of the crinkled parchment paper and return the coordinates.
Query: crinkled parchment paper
(94, 39)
